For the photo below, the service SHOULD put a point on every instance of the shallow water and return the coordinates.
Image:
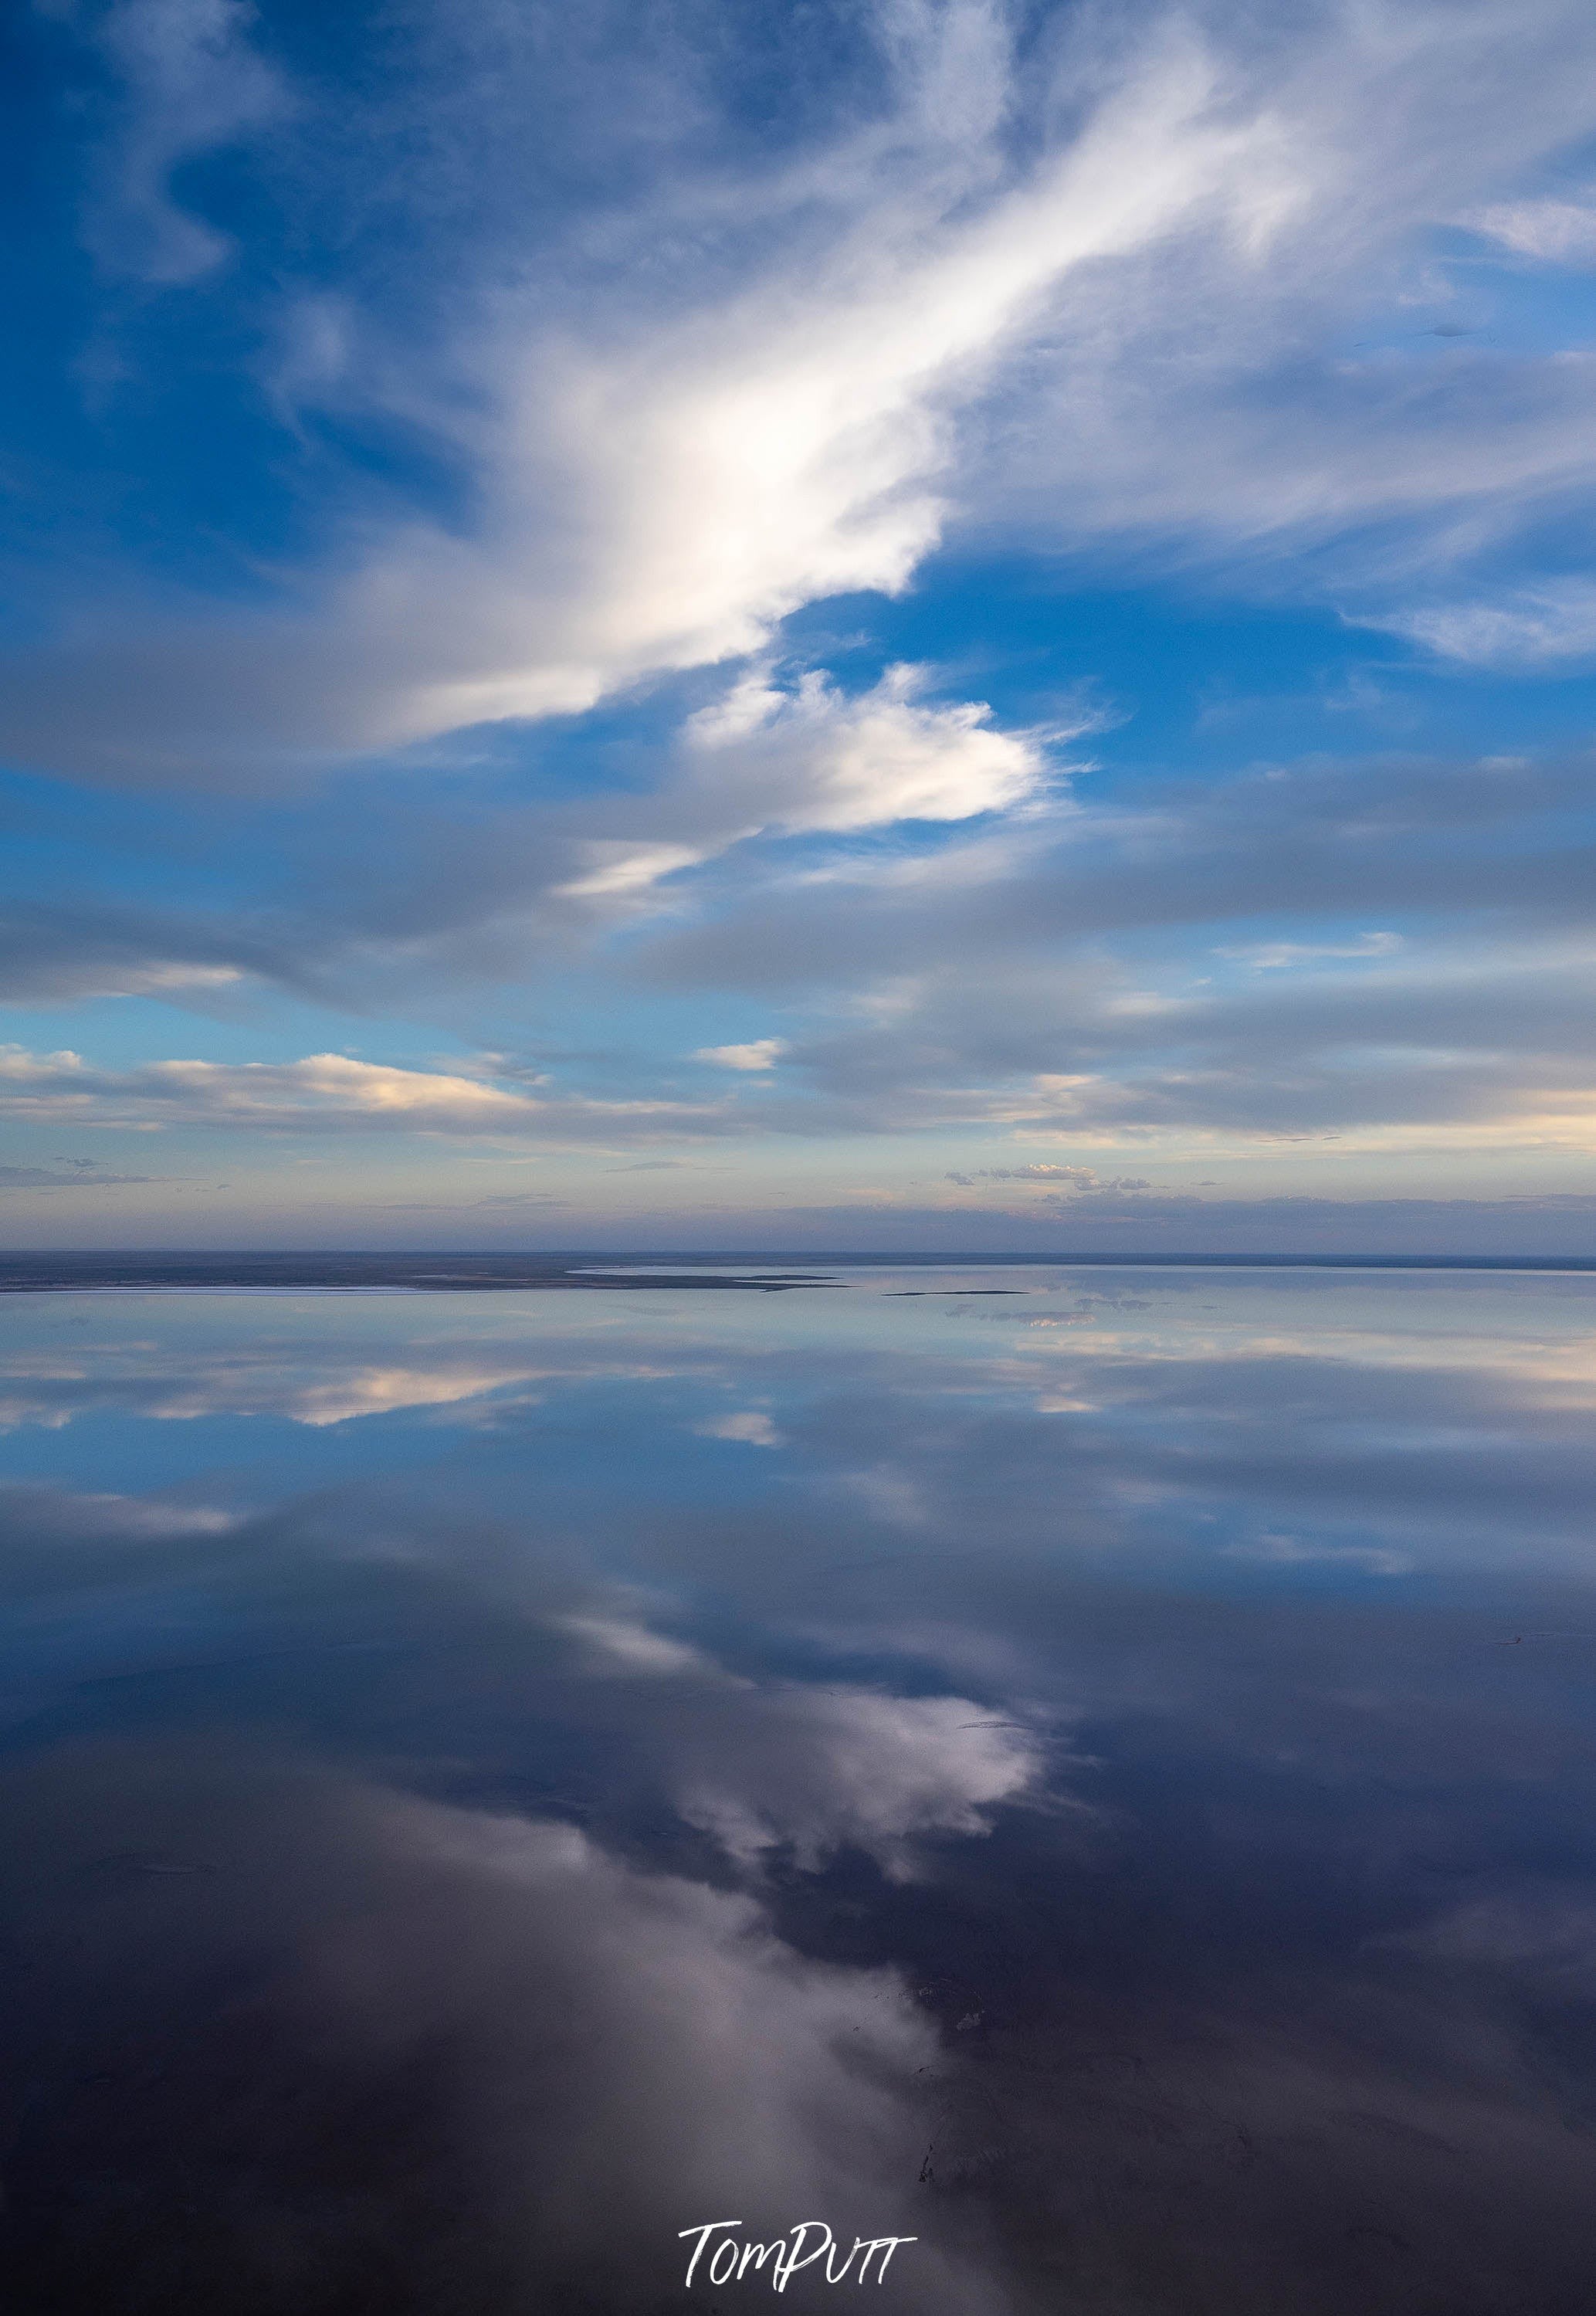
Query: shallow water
(1089, 1771)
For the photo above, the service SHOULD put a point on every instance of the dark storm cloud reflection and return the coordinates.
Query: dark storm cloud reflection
(1099, 1781)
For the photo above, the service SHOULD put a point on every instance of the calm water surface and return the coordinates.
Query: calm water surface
(1096, 1777)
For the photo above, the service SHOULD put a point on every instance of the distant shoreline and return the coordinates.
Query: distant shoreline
(762, 1271)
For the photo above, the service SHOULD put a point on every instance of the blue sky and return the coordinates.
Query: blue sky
(871, 625)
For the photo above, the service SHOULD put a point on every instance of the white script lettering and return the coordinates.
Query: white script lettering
(730, 2260)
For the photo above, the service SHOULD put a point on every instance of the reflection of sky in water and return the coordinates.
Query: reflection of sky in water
(1097, 1776)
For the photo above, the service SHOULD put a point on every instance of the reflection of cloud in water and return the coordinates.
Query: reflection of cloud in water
(623, 1645)
(516, 2066)
(1542, 1933)
(763, 1765)
(1294, 2020)
(297, 1386)
(815, 1769)
(50, 1516)
(1548, 1371)
(809, 1768)
(1290, 1551)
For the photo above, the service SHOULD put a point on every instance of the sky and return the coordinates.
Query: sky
(875, 624)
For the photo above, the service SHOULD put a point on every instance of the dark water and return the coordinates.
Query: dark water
(1096, 1777)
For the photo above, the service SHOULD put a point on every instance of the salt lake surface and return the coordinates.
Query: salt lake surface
(1091, 1771)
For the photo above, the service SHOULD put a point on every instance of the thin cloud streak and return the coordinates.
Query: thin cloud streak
(329, 1092)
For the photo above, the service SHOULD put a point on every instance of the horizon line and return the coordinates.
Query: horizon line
(609, 1257)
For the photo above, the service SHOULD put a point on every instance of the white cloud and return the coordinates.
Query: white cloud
(1077, 327)
(1533, 627)
(759, 1054)
(1560, 233)
(159, 980)
(620, 869)
(1079, 1177)
(1273, 957)
(329, 1086)
(329, 1090)
(805, 759)
(752, 1428)
(813, 759)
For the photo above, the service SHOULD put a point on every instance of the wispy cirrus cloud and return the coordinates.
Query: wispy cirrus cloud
(1527, 628)
(761, 380)
(1061, 1181)
(1562, 232)
(193, 81)
(1275, 956)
